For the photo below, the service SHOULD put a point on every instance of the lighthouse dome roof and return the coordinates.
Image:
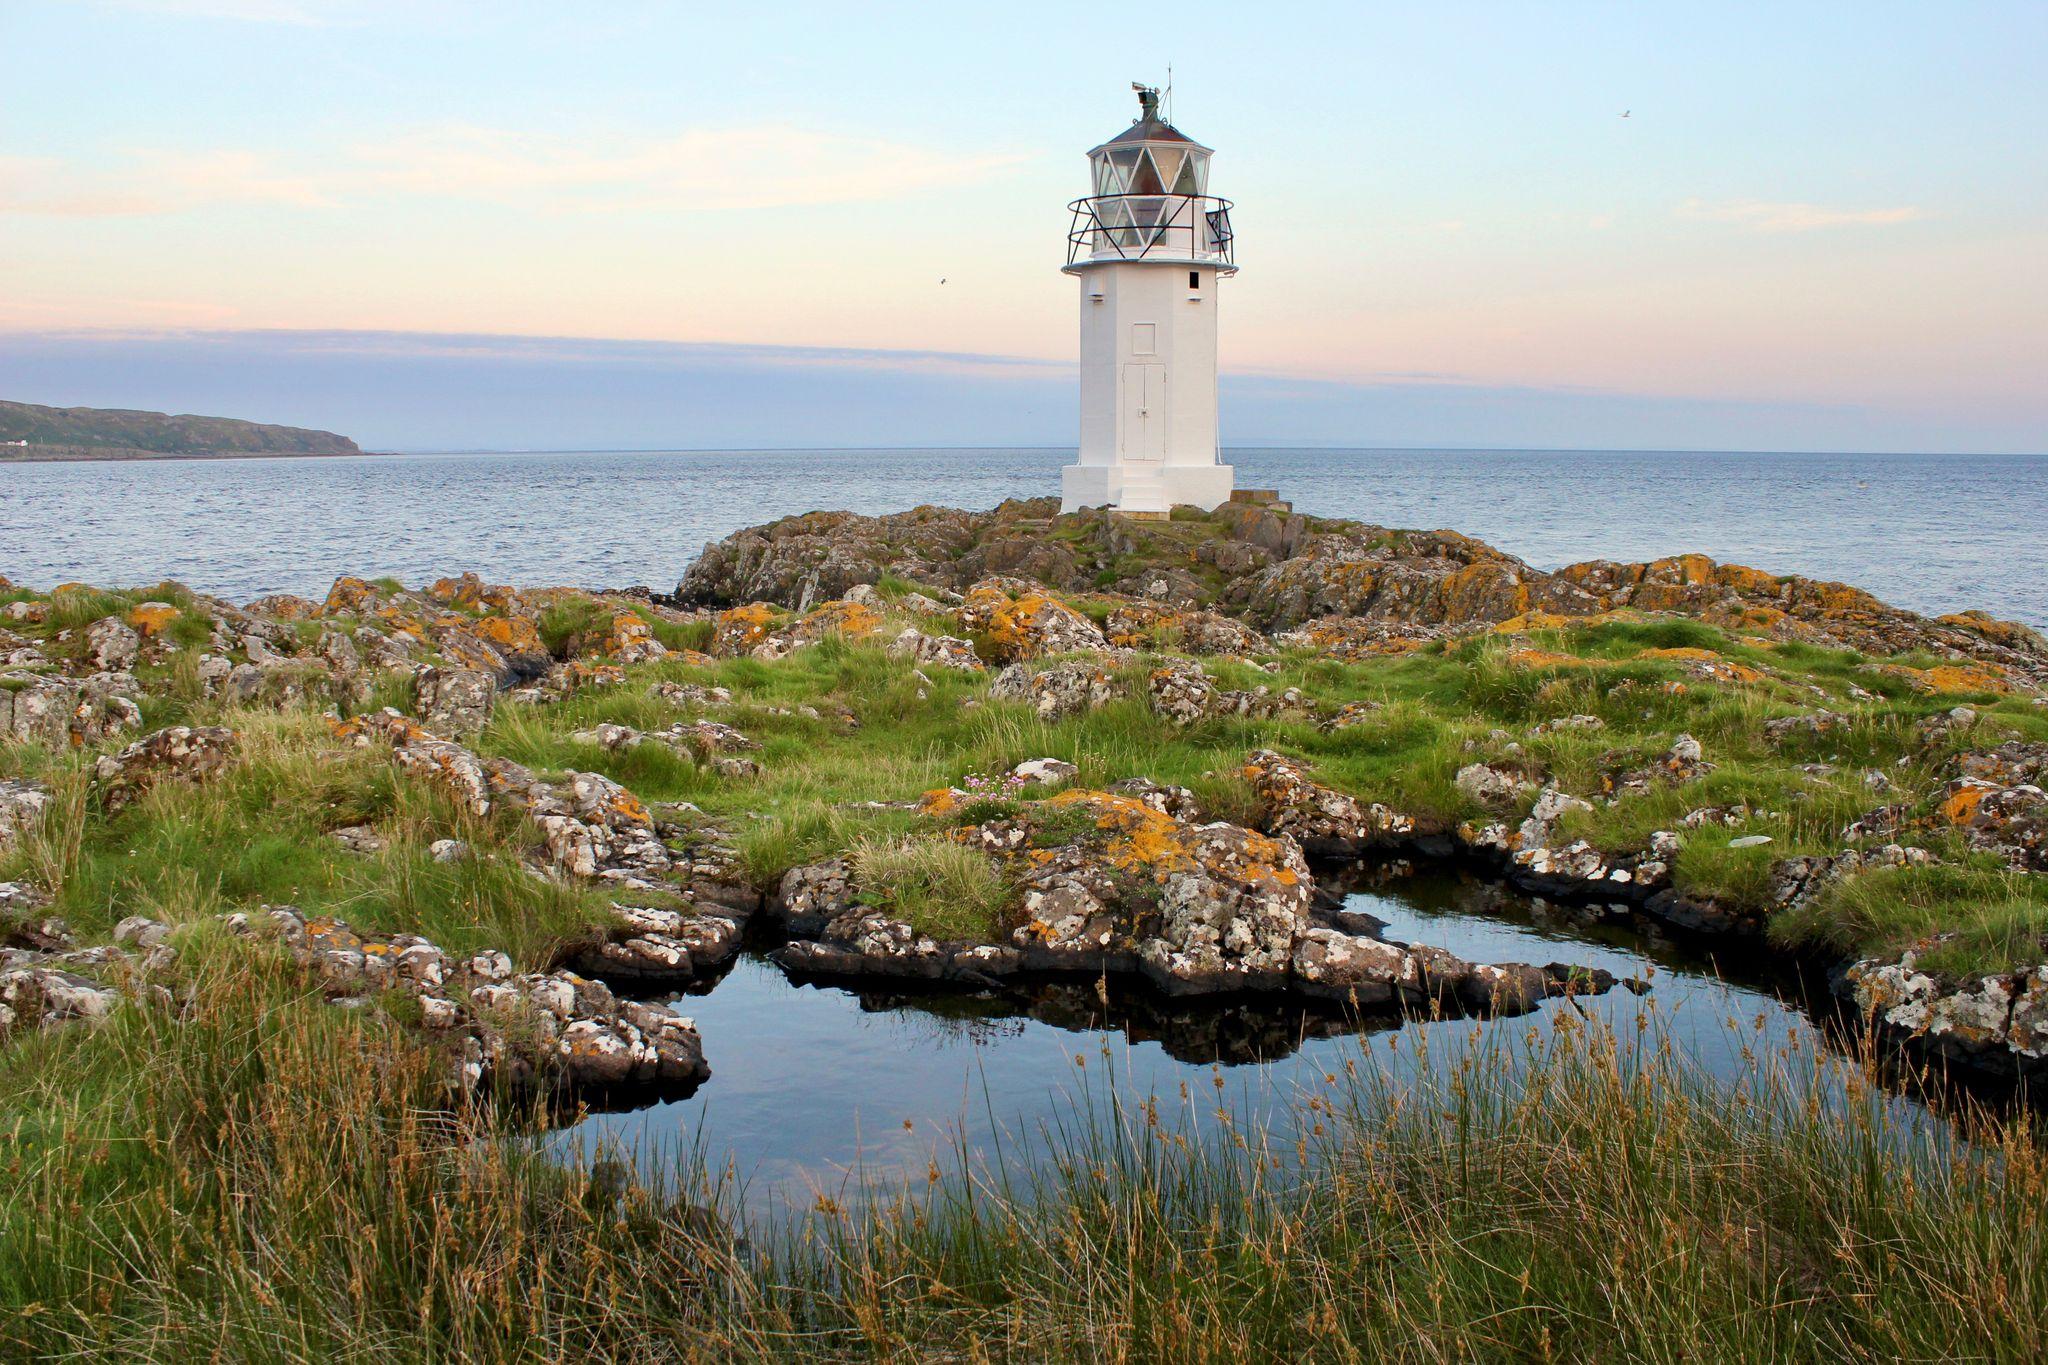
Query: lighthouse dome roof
(1150, 130)
(1148, 127)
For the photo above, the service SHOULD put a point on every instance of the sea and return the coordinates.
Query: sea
(1934, 533)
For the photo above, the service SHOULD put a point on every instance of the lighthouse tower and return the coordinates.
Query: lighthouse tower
(1148, 247)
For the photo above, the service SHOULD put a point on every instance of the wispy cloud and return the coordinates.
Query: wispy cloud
(762, 166)
(1763, 217)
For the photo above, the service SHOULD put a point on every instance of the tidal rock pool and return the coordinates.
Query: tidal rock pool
(818, 1090)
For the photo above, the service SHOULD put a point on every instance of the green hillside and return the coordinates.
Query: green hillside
(134, 434)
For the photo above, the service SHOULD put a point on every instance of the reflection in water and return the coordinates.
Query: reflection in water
(816, 1086)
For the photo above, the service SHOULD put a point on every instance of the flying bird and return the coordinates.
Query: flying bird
(1624, 113)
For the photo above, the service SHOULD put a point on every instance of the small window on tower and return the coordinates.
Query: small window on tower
(1194, 279)
(1144, 338)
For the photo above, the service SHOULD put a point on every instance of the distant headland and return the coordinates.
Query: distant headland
(31, 432)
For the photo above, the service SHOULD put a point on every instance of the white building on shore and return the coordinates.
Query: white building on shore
(1148, 247)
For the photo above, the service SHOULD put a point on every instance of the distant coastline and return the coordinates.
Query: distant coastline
(30, 432)
(120, 454)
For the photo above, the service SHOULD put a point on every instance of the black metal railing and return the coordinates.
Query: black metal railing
(1136, 227)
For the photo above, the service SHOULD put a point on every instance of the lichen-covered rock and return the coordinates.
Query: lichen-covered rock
(497, 1027)
(1026, 624)
(742, 629)
(866, 943)
(182, 753)
(598, 829)
(449, 766)
(152, 619)
(1552, 805)
(1044, 772)
(454, 701)
(37, 995)
(691, 694)
(944, 651)
(1229, 919)
(111, 645)
(1182, 692)
(1999, 814)
(1490, 784)
(1056, 691)
(1684, 762)
(1326, 823)
(1139, 625)
(810, 897)
(1998, 1022)
(58, 713)
(657, 944)
(1353, 639)
(22, 805)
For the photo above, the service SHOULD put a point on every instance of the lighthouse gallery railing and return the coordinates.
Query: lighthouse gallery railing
(1136, 227)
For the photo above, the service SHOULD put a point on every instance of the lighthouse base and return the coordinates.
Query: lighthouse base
(1145, 486)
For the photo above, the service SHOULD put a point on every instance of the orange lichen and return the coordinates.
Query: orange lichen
(515, 634)
(153, 618)
(2007, 633)
(349, 595)
(1960, 808)
(940, 801)
(629, 631)
(851, 619)
(1952, 678)
(284, 607)
(1013, 626)
(1146, 842)
(743, 627)
(472, 592)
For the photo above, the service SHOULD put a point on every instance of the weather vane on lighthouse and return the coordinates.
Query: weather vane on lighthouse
(1148, 247)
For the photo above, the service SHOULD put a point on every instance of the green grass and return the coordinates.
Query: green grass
(187, 853)
(939, 887)
(1567, 1196)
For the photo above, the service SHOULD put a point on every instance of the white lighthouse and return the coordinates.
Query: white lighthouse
(1148, 247)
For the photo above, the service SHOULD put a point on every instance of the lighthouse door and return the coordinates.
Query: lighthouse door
(1144, 412)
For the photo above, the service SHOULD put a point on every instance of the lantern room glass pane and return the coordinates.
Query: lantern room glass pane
(1167, 160)
(1145, 179)
(1188, 182)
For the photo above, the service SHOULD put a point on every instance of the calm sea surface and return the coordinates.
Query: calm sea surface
(1935, 533)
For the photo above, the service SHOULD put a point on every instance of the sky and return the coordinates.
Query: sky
(434, 224)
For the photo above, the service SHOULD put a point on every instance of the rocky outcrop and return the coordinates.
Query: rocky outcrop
(498, 1027)
(1997, 1023)
(59, 713)
(22, 805)
(1057, 691)
(178, 753)
(454, 701)
(1325, 822)
(1018, 622)
(1348, 589)
(1182, 692)
(1999, 803)
(1131, 883)
(593, 829)
(943, 651)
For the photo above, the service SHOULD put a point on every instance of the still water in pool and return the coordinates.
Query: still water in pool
(817, 1089)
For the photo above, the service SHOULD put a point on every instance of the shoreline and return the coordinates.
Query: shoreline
(123, 455)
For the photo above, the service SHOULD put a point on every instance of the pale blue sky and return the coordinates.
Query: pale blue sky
(1822, 224)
